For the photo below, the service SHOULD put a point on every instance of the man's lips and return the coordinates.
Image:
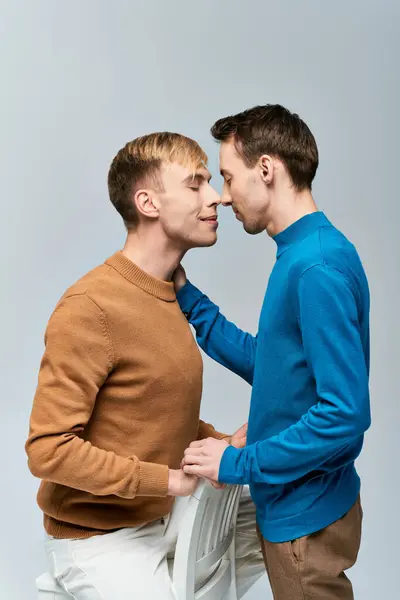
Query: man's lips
(213, 220)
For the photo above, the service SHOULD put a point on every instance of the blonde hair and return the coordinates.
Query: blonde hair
(139, 163)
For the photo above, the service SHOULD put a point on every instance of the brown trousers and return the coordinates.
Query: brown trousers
(313, 567)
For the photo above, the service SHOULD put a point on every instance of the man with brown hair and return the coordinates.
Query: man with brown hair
(308, 365)
(119, 389)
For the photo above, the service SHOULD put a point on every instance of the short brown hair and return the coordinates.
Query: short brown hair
(138, 163)
(272, 129)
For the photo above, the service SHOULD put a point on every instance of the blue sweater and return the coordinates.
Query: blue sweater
(309, 368)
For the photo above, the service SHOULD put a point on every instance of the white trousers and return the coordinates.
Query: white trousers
(133, 563)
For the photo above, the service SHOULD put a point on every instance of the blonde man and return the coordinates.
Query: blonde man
(119, 389)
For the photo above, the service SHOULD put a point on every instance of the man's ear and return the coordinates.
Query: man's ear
(146, 203)
(266, 165)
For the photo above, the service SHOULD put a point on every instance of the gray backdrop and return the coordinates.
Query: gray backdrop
(79, 79)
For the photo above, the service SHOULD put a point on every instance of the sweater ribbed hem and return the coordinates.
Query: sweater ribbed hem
(164, 290)
(329, 506)
(67, 531)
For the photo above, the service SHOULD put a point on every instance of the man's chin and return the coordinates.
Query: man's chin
(206, 243)
(252, 228)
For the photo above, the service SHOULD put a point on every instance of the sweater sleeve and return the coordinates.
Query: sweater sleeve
(218, 337)
(77, 360)
(328, 319)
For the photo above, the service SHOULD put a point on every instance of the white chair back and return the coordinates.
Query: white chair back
(204, 562)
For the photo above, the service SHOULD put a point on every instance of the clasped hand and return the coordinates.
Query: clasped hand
(203, 458)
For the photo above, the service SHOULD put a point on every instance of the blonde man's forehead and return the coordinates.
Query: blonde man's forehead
(186, 167)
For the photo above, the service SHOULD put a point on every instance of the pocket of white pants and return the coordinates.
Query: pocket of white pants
(70, 571)
(77, 583)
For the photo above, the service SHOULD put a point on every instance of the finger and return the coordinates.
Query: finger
(193, 460)
(216, 485)
(197, 470)
(240, 439)
(193, 451)
(197, 444)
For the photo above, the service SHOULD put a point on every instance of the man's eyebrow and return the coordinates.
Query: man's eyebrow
(198, 177)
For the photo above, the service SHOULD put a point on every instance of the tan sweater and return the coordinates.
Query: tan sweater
(117, 402)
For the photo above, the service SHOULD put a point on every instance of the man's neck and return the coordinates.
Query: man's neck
(152, 254)
(288, 209)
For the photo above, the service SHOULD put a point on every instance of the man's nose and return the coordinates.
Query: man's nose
(226, 199)
(213, 198)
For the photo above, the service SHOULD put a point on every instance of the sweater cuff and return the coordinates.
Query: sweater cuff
(153, 480)
(188, 296)
(229, 469)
